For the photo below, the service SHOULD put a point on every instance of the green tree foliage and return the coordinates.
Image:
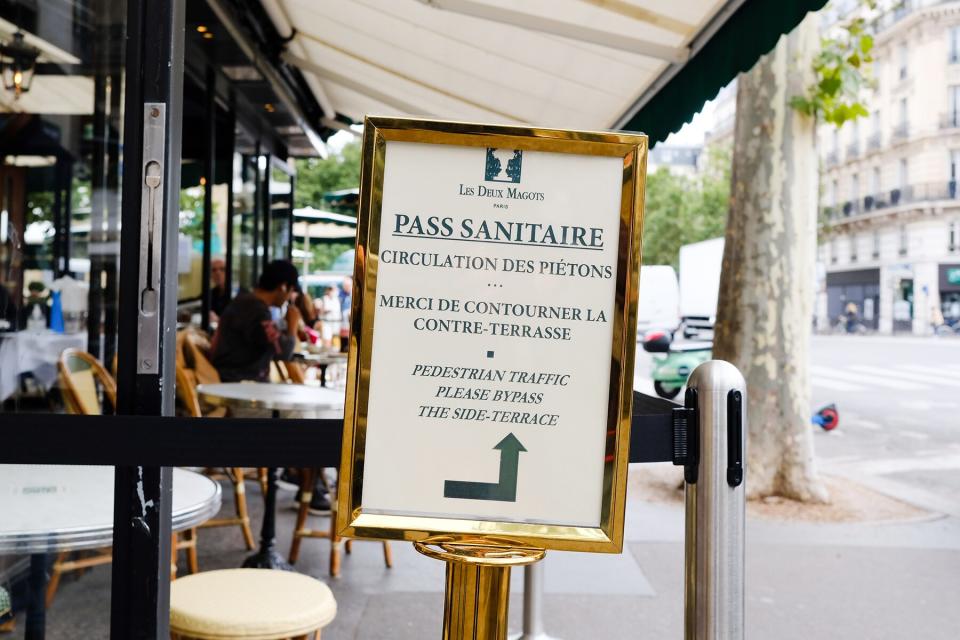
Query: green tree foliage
(842, 69)
(680, 210)
(317, 176)
(323, 255)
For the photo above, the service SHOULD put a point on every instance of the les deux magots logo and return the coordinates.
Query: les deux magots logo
(503, 165)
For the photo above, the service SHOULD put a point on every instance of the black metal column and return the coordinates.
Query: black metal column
(267, 218)
(98, 183)
(59, 259)
(231, 130)
(142, 494)
(293, 200)
(209, 170)
(257, 216)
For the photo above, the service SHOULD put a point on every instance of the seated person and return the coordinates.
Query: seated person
(219, 296)
(247, 338)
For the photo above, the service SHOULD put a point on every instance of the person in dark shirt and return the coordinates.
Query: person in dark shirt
(247, 338)
(219, 296)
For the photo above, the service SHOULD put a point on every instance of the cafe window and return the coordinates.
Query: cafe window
(61, 160)
(245, 212)
(281, 210)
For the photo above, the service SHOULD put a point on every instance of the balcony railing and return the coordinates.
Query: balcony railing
(853, 150)
(901, 131)
(874, 141)
(923, 192)
(950, 120)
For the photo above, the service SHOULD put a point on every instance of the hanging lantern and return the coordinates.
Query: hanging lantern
(18, 62)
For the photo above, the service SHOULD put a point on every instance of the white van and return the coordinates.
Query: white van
(659, 304)
(700, 264)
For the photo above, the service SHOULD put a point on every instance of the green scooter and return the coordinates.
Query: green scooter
(673, 362)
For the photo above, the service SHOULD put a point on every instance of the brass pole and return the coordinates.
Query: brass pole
(477, 594)
(476, 602)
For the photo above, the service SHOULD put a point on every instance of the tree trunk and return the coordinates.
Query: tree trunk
(766, 289)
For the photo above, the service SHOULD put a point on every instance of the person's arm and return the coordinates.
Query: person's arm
(288, 340)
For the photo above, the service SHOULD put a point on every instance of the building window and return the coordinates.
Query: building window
(954, 172)
(903, 113)
(902, 59)
(952, 246)
(876, 243)
(833, 250)
(904, 240)
(853, 247)
(954, 55)
(873, 197)
(855, 191)
(953, 114)
(901, 190)
(834, 189)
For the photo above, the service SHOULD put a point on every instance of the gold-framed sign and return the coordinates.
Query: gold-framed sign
(491, 358)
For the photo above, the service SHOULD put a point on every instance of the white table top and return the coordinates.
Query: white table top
(324, 357)
(46, 508)
(270, 395)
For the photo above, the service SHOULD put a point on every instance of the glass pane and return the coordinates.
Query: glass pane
(280, 213)
(60, 162)
(60, 167)
(244, 214)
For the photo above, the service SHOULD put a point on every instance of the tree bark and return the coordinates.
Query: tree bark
(765, 305)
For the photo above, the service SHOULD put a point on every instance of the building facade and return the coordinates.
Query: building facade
(890, 213)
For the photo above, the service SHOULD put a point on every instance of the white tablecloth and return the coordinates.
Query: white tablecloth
(33, 352)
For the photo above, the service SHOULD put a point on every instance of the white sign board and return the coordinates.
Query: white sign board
(495, 332)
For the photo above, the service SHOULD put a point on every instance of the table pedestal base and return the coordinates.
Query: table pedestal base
(267, 557)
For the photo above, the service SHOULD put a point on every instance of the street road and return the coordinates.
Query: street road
(899, 404)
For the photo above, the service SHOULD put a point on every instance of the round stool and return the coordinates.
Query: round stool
(249, 604)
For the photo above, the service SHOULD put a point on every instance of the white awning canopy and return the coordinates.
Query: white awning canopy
(560, 63)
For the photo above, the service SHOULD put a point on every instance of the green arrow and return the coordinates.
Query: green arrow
(505, 490)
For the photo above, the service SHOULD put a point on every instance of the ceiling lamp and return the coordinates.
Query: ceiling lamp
(18, 62)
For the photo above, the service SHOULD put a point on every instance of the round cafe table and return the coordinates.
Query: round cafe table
(51, 508)
(321, 360)
(273, 397)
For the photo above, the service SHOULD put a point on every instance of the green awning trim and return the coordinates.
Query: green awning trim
(748, 34)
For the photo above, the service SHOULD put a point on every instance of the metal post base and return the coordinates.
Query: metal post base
(477, 594)
(532, 605)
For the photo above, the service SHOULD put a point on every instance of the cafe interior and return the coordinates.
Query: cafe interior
(61, 168)
(262, 83)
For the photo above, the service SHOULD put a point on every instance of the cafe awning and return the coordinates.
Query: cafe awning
(595, 64)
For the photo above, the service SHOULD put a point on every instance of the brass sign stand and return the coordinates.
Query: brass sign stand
(477, 593)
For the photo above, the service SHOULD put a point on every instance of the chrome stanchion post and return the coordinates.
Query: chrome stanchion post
(715, 503)
(533, 604)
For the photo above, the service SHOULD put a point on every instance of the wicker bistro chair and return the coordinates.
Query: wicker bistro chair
(86, 384)
(300, 530)
(249, 604)
(187, 379)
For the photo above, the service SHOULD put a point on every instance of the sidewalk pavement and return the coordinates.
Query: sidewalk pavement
(806, 581)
